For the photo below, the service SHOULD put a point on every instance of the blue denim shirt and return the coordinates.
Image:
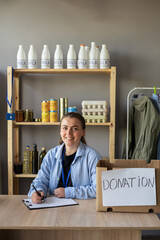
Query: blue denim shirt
(83, 173)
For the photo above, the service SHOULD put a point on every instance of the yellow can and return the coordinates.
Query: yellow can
(53, 116)
(53, 105)
(45, 116)
(45, 106)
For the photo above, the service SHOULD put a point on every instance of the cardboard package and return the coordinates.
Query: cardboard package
(104, 165)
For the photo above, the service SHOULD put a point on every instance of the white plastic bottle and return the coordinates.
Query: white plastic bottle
(71, 57)
(93, 63)
(82, 57)
(58, 58)
(21, 58)
(32, 58)
(104, 58)
(45, 58)
(98, 55)
(87, 54)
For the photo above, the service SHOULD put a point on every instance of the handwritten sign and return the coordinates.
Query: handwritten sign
(129, 187)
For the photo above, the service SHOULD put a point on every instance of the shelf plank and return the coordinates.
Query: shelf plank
(25, 175)
(56, 124)
(60, 71)
(98, 124)
(36, 123)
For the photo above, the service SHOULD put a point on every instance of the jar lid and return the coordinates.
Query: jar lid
(19, 111)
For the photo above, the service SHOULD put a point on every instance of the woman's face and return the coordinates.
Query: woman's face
(71, 132)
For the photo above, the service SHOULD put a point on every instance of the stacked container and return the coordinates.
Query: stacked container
(45, 111)
(94, 111)
(53, 110)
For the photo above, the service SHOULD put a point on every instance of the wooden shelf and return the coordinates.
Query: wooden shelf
(13, 127)
(25, 175)
(61, 71)
(36, 123)
(56, 124)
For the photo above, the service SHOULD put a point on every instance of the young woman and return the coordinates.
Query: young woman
(68, 170)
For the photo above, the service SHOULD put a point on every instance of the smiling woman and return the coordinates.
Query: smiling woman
(72, 128)
(68, 170)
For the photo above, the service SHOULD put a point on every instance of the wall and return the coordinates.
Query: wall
(129, 28)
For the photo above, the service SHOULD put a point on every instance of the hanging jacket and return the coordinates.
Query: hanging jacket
(144, 127)
(156, 103)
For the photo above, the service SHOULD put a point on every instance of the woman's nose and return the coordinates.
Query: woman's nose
(69, 131)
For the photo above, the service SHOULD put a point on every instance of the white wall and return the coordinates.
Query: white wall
(129, 28)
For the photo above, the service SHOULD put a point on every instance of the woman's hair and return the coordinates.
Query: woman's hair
(80, 118)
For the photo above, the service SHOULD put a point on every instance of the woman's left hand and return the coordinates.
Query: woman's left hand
(59, 192)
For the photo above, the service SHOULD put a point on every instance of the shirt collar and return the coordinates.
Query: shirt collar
(80, 151)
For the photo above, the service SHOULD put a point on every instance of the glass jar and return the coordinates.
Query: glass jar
(19, 116)
(18, 167)
(31, 115)
(26, 115)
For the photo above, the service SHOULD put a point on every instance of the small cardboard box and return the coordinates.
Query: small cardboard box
(104, 165)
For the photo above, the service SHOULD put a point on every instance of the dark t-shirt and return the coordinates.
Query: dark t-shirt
(67, 161)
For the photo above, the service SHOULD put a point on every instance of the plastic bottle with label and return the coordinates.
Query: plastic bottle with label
(87, 54)
(98, 56)
(58, 58)
(71, 57)
(82, 57)
(93, 63)
(41, 156)
(21, 58)
(34, 159)
(32, 58)
(104, 57)
(27, 160)
(45, 58)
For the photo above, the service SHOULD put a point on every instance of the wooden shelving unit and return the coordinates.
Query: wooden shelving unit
(13, 127)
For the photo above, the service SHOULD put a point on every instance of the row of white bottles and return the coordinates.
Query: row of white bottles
(92, 59)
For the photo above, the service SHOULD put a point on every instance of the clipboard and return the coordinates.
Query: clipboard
(50, 202)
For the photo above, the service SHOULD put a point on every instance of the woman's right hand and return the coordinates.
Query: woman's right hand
(36, 198)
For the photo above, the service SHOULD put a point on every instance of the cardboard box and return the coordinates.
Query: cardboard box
(104, 165)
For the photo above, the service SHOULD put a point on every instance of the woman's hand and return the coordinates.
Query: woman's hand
(36, 198)
(59, 192)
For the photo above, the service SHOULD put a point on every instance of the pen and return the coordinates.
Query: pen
(38, 192)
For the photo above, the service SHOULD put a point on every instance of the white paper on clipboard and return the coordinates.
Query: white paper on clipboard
(50, 202)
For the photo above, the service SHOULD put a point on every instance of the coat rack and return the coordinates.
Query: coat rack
(128, 107)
